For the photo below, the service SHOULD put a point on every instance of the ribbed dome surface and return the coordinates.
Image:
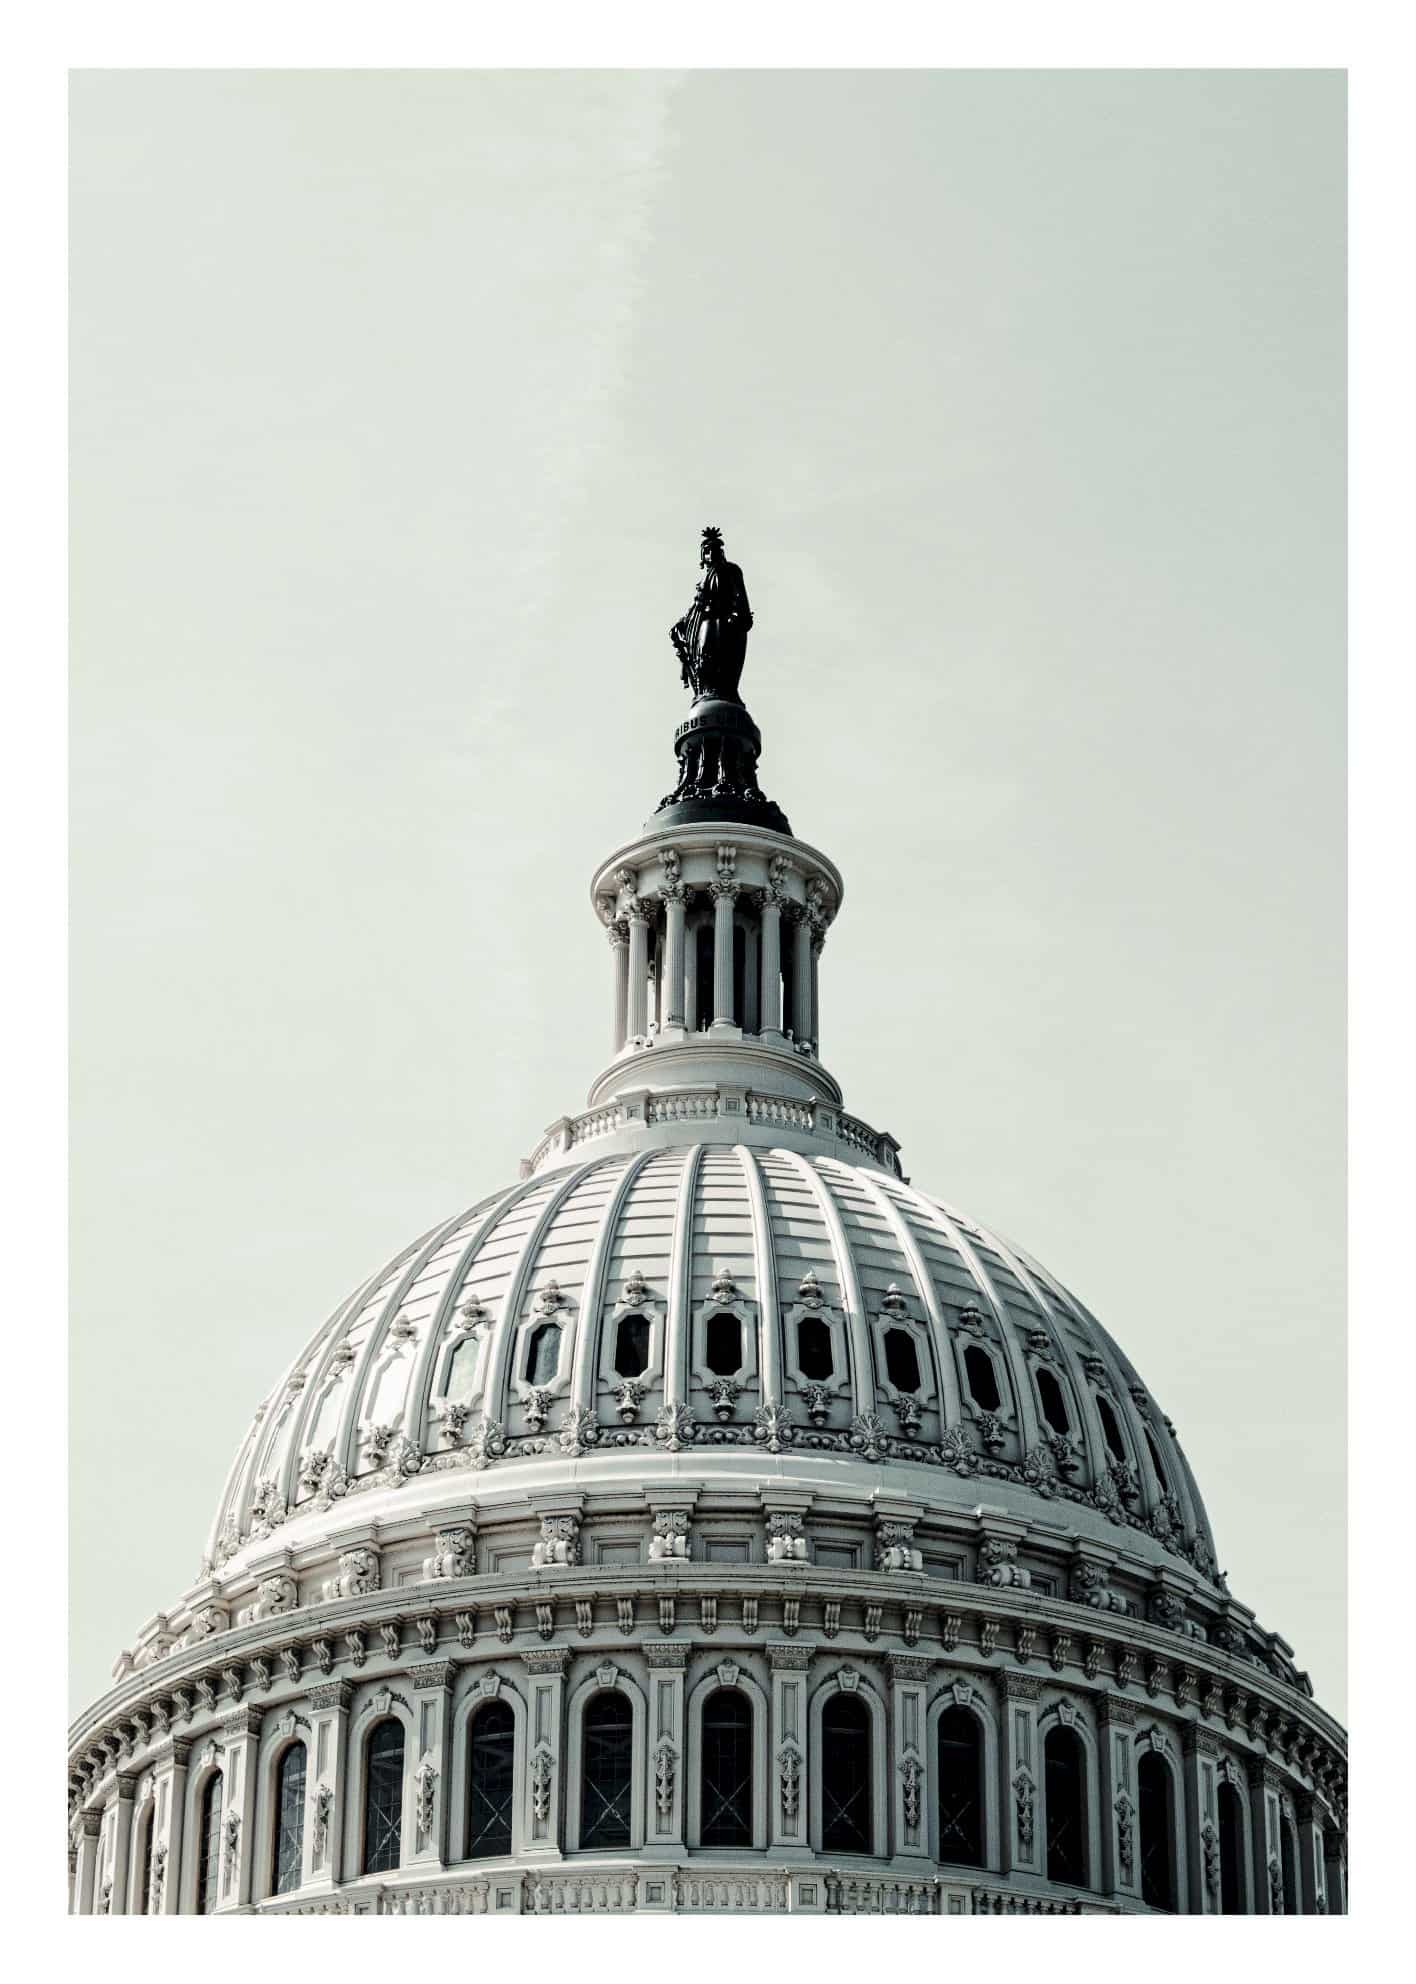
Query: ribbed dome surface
(715, 1298)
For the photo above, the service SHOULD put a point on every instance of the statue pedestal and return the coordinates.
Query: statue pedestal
(717, 747)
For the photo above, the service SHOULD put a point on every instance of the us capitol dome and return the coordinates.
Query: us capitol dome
(709, 1520)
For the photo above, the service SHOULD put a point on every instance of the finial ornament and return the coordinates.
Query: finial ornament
(711, 639)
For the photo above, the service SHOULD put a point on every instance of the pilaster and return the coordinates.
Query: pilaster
(545, 1750)
(121, 1806)
(170, 1791)
(1201, 1777)
(667, 1759)
(327, 1784)
(85, 1872)
(1120, 1842)
(428, 1759)
(910, 1775)
(1020, 1792)
(1312, 1857)
(240, 1733)
(1265, 1819)
(789, 1764)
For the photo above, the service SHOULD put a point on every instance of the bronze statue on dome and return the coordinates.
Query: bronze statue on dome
(711, 639)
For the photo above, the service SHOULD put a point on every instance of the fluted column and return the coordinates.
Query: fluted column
(619, 958)
(724, 895)
(638, 971)
(122, 1807)
(801, 979)
(770, 1000)
(675, 911)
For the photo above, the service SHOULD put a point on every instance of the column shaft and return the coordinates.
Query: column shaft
(84, 1882)
(674, 914)
(638, 974)
(788, 1769)
(770, 1005)
(690, 981)
(326, 1782)
(122, 1840)
(725, 898)
(619, 959)
(667, 1761)
(801, 980)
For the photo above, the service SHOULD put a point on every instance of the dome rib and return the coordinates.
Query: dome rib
(592, 1300)
(420, 1390)
(680, 1291)
(937, 1215)
(857, 1329)
(953, 1410)
(494, 1404)
(768, 1294)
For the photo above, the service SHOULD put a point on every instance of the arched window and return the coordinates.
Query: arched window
(209, 1846)
(960, 1788)
(1111, 1430)
(1231, 1852)
(722, 1351)
(543, 1354)
(814, 1359)
(1064, 1789)
(725, 1772)
(983, 1379)
(145, 1860)
(383, 1797)
(606, 1770)
(1054, 1405)
(631, 1346)
(1156, 1823)
(846, 1819)
(288, 1866)
(1290, 1867)
(901, 1361)
(491, 1785)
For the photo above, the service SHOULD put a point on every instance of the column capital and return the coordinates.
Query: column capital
(667, 1653)
(789, 1654)
(909, 1666)
(618, 934)
(1020, 1687)
(432, 1674)
(546, 1659)
(331, 1694)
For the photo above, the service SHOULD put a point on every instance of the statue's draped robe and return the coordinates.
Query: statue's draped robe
(712, 636)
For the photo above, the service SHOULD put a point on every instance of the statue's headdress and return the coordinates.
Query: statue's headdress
(712, 536)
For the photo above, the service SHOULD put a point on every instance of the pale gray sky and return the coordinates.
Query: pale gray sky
(399, 400)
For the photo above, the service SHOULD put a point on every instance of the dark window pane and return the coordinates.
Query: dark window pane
(1066, 1809)
(543, 1353)
(209, 1848)
(1290, 1869)
(631, 1346)
(983, 1381)
(289, 1819)
(901, 1361)
(490, 1784)
(846, 1824)
(960, 1788)
(1115, 1445)
(145, 1879)
(1231, 1851)
(383, 1797)
(1156, 1462)
(1054, 1406)
(1155, 1819)
(723, 1346)
(725, 1815)
(814, 1348)
(607, 1771)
